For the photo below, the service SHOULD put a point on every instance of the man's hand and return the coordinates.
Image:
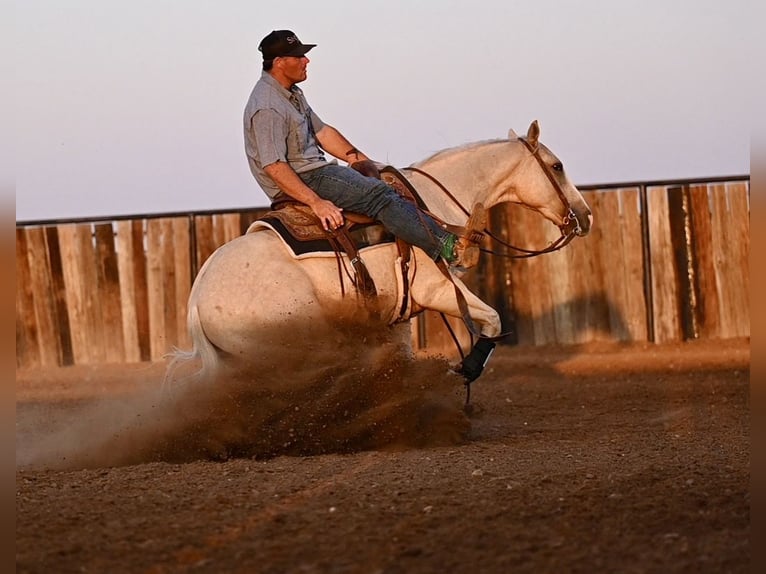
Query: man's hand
(288, 181)
(328, 213)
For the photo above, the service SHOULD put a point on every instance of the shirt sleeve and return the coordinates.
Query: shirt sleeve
(270, 130)
(316, 123)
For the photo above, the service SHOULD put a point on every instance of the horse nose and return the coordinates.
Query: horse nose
(586, 225)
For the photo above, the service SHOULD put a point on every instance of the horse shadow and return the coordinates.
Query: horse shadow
(537, 371)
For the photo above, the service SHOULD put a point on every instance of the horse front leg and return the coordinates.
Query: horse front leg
(440, 293)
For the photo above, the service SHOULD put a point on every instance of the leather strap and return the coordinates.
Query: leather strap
(405, 253)
(461, 301)
(364, 282)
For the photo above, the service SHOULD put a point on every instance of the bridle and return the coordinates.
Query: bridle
(571, 216)
(570, 226)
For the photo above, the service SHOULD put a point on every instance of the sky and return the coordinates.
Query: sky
(135, 107)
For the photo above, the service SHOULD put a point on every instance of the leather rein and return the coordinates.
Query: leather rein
(570, 226)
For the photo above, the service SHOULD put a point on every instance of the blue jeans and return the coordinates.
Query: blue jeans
(355, 192)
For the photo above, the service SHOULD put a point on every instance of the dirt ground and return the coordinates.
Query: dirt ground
(605, 458)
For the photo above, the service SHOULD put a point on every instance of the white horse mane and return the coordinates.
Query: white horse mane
(457, 149)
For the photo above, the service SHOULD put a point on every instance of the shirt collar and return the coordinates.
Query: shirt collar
(269, 79)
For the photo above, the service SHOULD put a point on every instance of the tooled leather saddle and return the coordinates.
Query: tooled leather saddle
(303, 233)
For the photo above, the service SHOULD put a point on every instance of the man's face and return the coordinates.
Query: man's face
(294, 68)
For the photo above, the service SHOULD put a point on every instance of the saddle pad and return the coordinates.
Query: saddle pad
(364, 235)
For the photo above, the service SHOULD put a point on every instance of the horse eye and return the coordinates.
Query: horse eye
(558, 166)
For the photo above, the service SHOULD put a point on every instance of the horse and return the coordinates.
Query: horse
(252, 296)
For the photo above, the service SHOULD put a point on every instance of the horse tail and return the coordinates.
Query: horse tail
(202, 349)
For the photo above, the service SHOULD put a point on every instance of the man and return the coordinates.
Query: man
(285, 143)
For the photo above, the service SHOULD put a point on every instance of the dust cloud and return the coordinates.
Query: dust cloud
(354, 391)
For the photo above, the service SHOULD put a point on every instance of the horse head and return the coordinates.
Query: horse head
(539, 182)
(514, 169)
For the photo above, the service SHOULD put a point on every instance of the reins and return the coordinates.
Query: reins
(570, 217)
(570, 227)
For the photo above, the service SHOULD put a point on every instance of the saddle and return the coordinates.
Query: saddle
(302, 231)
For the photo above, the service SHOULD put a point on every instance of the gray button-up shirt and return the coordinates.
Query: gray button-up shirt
(280, 126)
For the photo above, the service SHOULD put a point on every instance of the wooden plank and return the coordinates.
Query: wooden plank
(526, 304)
(45, 316)
(107, 271)
(679, 223)
(594, 296)
(664, 280)
(27, 344)
(70, 245)
(59, 294)
(182, 264)
(733, 300)
(167, 260)
(231, 226)
(126, 252)
(167, 266)
(559, 279)
(169, 283)
(560, 285)
(71, 279)
(155, 289)
(520, 298)
(570, 289)
(140, 272)
(219, 230)
(533, 235)
(204, 238)
(581, 296)
(707, 308)
(739, 224)
(611, 294)
(723, 268)
(133, 284)
(554, 280)
(604, 319)
(91, 295)
(501, 297)
(633, 310)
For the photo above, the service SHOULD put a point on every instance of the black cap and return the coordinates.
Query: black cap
(283, 43)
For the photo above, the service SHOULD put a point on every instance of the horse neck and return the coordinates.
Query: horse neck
(476, 173)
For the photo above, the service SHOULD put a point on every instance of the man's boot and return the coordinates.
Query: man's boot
(467, 243)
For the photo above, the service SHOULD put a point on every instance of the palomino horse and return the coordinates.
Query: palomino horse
(253, 293)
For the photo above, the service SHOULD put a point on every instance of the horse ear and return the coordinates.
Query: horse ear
(512, 135)
(533, 134)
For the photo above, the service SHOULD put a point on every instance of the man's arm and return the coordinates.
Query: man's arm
(335, 143)
(291, 184)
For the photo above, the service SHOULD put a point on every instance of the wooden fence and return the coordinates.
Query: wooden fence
(664, 262)
(111, 291)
